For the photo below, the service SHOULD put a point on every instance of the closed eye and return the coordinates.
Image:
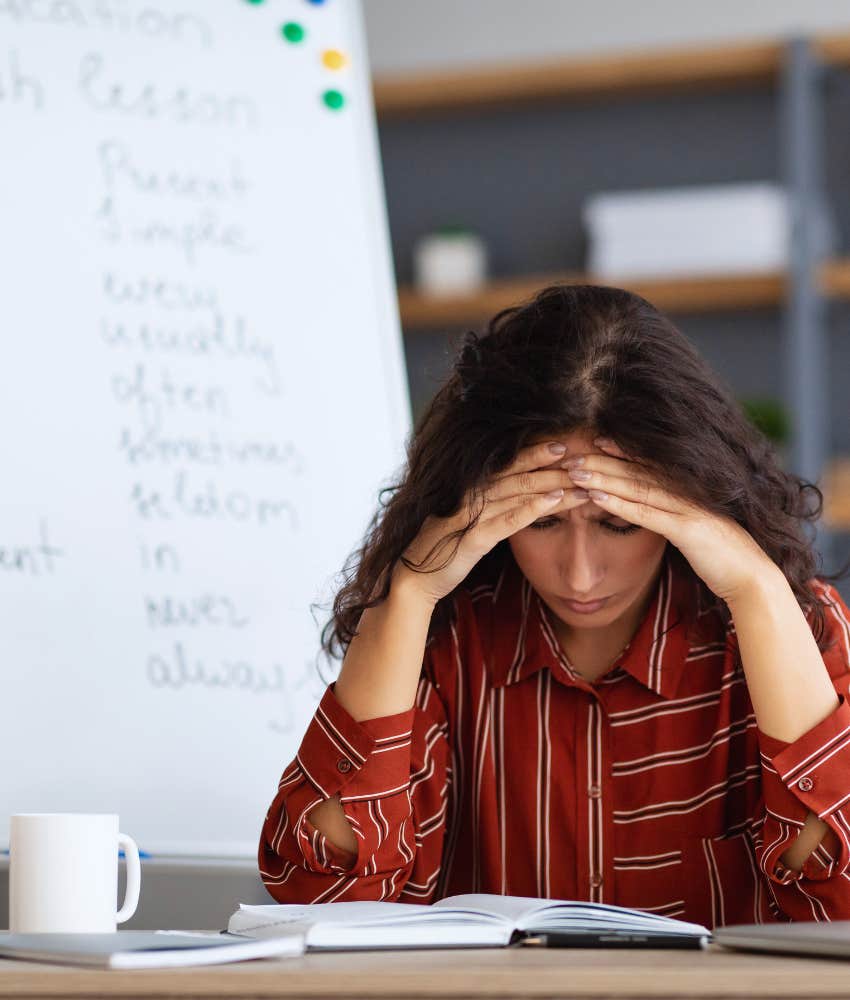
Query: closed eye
(626, 529)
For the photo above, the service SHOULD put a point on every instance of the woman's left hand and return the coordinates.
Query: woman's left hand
(719, 550)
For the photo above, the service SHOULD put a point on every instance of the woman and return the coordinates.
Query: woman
(586, 652)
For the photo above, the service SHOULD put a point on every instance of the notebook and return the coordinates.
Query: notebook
(469, 920)
(144, 949)
(800, 938)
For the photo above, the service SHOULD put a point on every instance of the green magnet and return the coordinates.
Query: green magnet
(292, 32)
(334, 99)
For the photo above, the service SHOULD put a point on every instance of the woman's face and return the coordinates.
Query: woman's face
(587, 555)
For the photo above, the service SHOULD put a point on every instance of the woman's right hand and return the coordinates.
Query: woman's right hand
(533, 486)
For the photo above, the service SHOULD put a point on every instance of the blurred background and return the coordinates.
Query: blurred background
(697, 154)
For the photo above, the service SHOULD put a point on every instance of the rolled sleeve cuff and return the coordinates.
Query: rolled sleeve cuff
(811, 774)
(816, 767)
(359, 760)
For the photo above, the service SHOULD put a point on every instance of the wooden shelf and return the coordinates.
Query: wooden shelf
(718, 66)
(695, 293)
(836, 489)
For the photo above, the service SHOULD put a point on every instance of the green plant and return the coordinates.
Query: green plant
(770, 416)
(453, 229)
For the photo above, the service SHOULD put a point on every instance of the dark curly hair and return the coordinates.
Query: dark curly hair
(600, 359)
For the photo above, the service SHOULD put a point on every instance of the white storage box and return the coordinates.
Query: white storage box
(449, 263)
(721, 228)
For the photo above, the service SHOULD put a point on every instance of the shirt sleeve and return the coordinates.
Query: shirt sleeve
(812, 774)
(392, 776)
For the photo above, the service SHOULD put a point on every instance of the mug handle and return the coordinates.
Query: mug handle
(134, 878)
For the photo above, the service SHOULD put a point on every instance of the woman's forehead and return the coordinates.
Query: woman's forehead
(576, 442)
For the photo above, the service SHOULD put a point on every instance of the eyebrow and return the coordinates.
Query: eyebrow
(604, 516)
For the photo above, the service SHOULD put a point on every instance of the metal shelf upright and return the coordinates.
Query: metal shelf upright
(805, 335)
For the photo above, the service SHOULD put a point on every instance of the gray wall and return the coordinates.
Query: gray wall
(179, 894)
(409, 35)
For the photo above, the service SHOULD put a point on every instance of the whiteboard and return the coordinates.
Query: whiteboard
(202, 392)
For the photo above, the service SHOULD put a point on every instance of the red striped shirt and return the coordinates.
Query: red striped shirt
(651, 787)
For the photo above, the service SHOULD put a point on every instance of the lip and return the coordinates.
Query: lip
(586, 607)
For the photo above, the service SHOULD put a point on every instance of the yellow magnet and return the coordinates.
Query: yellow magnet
(334, 59)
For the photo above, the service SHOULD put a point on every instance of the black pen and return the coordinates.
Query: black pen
(614, 939)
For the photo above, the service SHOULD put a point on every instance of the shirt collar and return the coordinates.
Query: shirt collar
(524, 641)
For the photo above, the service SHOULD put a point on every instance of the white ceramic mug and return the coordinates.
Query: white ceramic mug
(63, 873)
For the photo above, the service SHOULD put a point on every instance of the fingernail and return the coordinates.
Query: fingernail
(597, 495)
(603, 442)
(557, 449)
(573, 463)
(581, 494)
(580, 475)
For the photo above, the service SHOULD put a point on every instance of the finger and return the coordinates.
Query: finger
(572, 498)
(605, 464)
(505, 517)
(536, 456)
(610, 447)
(636, 484)
(610, 464)
(523, 483)
(662, 522)
(614, 451)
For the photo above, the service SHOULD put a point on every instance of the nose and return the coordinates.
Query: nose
(582, 568)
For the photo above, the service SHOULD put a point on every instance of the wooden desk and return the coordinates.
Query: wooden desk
(497, 972)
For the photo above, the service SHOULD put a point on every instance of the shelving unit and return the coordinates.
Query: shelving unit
(794, 69)
(690, 294)
(612, 75)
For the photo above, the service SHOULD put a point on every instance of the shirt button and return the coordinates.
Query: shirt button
(805, 784)
(594, 791)
(343, 765)
(596, 880)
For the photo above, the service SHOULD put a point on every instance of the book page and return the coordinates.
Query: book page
(254, 919)
(575, 915)
(525, 912)
(247, 917)
(509, 908)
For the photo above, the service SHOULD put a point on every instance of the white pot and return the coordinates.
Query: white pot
(449, 264)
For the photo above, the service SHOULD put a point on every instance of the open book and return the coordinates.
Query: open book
(471, 920)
